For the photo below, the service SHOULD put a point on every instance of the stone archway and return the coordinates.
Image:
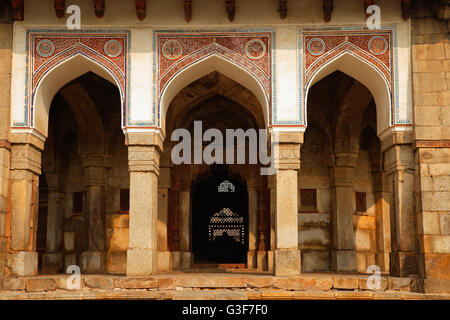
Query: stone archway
(220, 103)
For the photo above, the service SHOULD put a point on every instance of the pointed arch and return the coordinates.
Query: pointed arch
(61, 74)
(204, 66)
(368, 75)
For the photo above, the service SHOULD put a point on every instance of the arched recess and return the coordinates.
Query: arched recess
(56, 78)
(369, 76)
(205, 66)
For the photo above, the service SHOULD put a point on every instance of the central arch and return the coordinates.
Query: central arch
(206, 66)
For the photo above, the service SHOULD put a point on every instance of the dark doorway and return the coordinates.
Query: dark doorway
(219, 218)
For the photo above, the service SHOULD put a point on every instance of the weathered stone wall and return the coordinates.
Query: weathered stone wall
(431, 80)
(6, 32)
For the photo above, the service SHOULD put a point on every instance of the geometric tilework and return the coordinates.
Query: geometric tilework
(47, 48)
(317, 47)
(250, 49)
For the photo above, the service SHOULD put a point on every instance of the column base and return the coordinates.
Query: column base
(25, 263)
(343, 261)
(141, 262)
(175, 260)
(262, 260)
(93, 262)
(287, 262)
(251, 260)
(382, 260)
(164, 259)
(403, 264)
(185, 259)
(52, 262)
(270, 260)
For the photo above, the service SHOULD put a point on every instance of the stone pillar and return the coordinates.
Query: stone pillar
(399, 166)
(53, 260)
(143, 162)
(271, 184)
(5, 150)
(95, 175)
(287, 162)
(24, 196)
(343, 255)
(252, 222)
(162, 222)
(382, 221)
(185, 217)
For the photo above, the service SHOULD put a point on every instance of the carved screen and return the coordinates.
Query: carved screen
(229, 223)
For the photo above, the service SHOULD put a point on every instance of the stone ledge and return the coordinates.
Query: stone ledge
(225, 286)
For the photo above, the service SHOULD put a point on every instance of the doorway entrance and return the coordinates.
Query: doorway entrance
(220, 218)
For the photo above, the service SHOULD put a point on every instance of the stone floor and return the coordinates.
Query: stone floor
(210, 286)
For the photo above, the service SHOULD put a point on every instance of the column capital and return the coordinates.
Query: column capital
(155, 139)
(287, 156)
(26, 156)
(347, 160)
(95, 176)
(399, 157)
(143, 158)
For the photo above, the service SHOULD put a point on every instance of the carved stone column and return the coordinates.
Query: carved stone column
(162, 222)
(95, 176)
(341, 172)
(24, 196)
(143, 162)
(399, 166)
(287, 161)
(185, 217)
(53, 259)
(252, 222)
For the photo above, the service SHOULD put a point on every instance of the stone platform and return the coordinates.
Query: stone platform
(210, 286)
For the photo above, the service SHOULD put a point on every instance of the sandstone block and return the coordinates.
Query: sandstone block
(433, 51)
(444, 222)
(136, 283)
(166, 284)
(25, 263)
(40, 284)
(430, 223)
(260, 282)
(116, 262)
(141, 262)
(430, 82)
(14, 283)
(363, 284)
(402, 284)
(436, 244)
(98, 282)
(347, 283)
(437, 286)
(287, 263)
(426, 99)
(437, 266)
